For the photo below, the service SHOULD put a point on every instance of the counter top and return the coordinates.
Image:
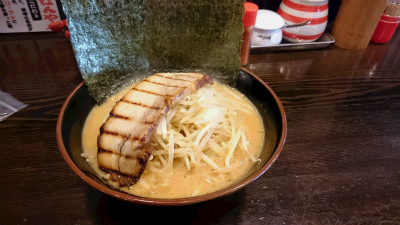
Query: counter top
(340, 163)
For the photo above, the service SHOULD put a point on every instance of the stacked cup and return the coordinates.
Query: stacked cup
(297, 11)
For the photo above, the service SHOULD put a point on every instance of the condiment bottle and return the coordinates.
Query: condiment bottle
(356, 22)
(388, 23)
(249, 20)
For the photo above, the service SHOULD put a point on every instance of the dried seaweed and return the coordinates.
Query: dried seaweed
(117, 42)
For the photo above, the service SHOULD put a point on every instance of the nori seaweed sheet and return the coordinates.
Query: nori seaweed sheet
(118, 42)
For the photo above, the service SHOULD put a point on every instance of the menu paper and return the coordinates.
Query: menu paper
(27, 15)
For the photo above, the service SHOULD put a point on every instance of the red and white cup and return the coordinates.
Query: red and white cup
(297, 11)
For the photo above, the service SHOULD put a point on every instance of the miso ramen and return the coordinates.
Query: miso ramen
(208, 141)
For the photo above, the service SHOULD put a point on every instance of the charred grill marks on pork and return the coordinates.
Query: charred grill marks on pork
(122, 144)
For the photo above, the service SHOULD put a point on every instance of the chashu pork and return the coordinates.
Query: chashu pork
(122, 144)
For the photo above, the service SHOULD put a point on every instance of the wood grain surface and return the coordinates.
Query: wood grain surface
(340, 163)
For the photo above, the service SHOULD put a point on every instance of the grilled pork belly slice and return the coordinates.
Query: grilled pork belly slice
(122, 144)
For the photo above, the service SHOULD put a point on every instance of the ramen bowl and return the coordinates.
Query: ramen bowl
(79, 104)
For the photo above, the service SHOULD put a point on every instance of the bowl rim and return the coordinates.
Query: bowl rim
(179, 201)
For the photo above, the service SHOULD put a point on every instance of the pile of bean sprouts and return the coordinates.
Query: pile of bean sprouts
(199, 129)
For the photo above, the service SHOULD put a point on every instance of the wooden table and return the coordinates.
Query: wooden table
(340, 163)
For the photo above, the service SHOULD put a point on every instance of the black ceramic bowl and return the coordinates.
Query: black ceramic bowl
(79, 103)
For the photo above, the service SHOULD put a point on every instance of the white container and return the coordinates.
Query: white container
(296, 11)
(267, 30)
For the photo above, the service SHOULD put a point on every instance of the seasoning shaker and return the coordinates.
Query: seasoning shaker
(249, 20)
(356, 22)
(388, 22)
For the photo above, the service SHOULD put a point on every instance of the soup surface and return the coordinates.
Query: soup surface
(181, 181)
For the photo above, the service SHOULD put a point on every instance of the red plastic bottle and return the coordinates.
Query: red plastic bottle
(249, 20)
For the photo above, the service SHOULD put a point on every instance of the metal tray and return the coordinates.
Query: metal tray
(324, 41)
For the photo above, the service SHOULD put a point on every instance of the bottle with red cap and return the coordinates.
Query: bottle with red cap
(249, 20)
